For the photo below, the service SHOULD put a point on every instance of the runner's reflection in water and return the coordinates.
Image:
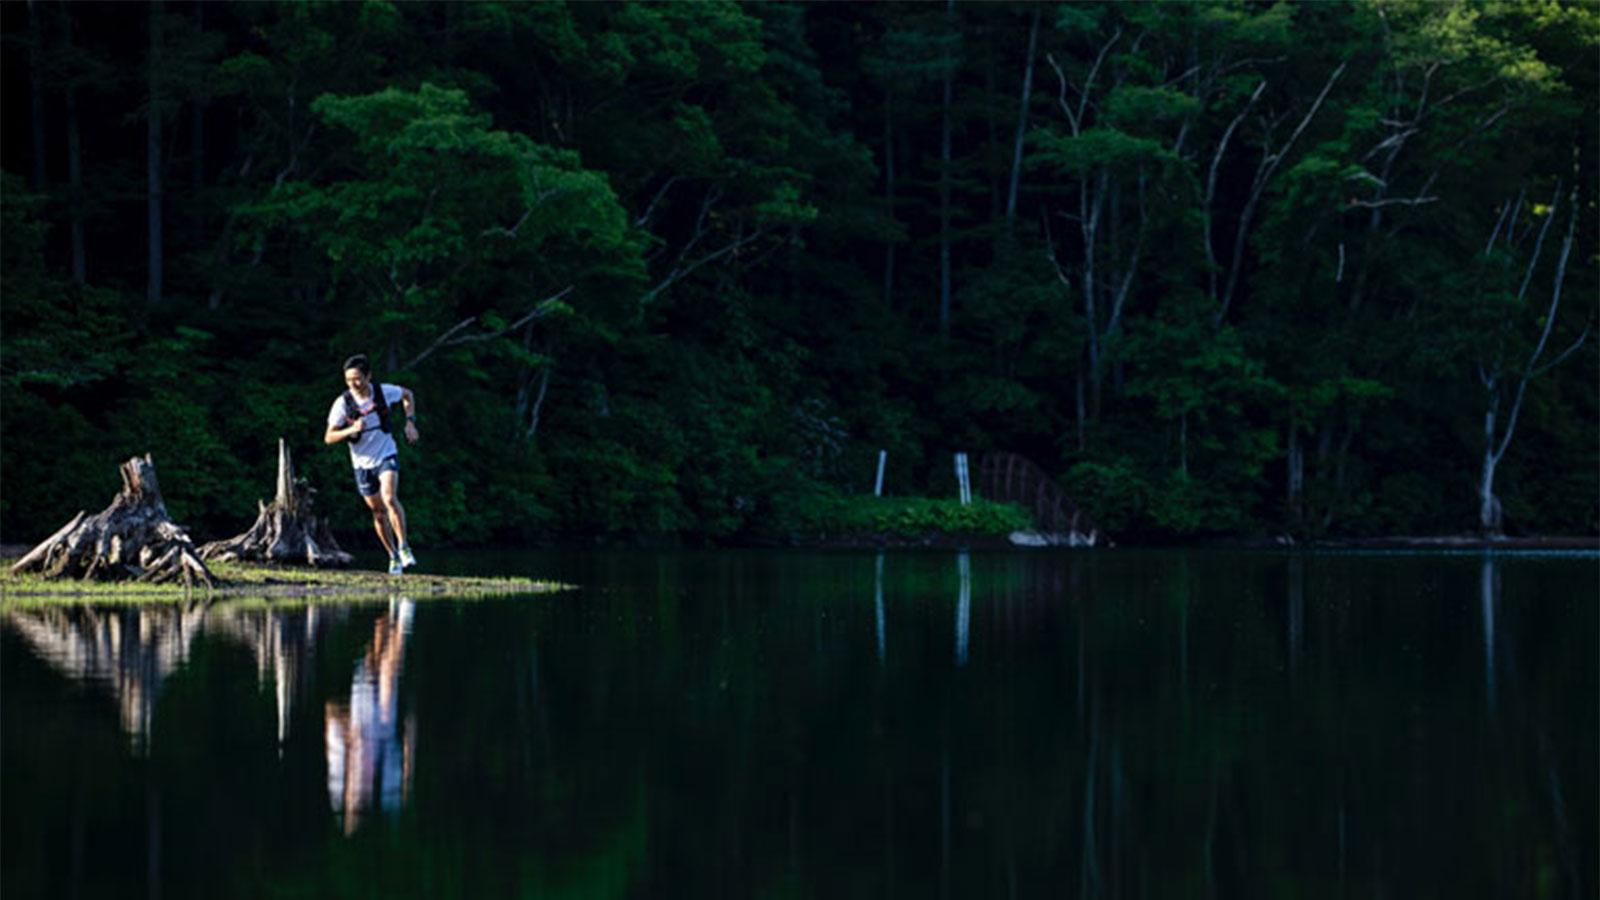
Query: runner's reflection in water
(370, 751)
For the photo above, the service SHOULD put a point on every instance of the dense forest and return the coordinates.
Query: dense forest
(682, 270)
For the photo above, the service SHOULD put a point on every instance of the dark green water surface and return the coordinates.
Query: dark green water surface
(789, 724)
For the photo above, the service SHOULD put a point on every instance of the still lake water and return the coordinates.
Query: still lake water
(741, 724)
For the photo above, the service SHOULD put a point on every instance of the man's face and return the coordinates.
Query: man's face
(356, 380)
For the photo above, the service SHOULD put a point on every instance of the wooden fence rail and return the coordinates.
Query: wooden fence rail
(1009, 478)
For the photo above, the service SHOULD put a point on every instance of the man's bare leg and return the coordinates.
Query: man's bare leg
(389, 490)
(380, 523)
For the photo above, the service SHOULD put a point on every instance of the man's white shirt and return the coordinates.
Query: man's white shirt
(373, 445)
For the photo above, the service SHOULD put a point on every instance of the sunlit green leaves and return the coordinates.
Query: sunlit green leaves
(1138, 108)
(439, 186)
(1252, 25)
(785, 207)
(1076, 18)
(1095, 148)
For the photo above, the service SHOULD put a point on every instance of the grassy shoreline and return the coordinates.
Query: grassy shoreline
(241, 581)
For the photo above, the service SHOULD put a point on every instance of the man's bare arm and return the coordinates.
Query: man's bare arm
(409, 401)
(334, 435)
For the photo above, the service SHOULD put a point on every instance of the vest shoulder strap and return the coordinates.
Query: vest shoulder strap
(380, 405)
(352, 409)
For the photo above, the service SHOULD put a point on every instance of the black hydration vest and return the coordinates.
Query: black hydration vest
(352, 409)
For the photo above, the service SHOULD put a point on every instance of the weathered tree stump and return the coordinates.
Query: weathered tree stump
(133, 538)
(285, 531)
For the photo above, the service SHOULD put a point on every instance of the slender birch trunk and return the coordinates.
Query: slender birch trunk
(1022, 123)
(1264, 172)
(1489, 514)
(1496, 440)
(1295, 478)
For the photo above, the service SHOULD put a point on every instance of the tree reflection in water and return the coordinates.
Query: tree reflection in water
(129, 652)
(1488, 595)
(369, 752)
(1110, 724)
(132, 652)
(283, 644)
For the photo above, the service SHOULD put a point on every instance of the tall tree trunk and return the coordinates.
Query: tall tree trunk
(1495, 439)
(197, 145)
(75, 196)
(1340, 459)
(1213, 268)
(1119, 286)
(1082, 412)
(1374, 222)
(197, 125)
(888, 194)
(153, 158)
(1489, 518)
(991, 150)
(944, 177)
(1091, 204)
(1022, 122)
(36, 92)
(1183, 444)
(1295, 477)
(538, 401)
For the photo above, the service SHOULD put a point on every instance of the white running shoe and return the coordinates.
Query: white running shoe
(406, 559)
(395, 568)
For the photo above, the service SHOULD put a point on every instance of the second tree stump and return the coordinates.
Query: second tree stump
(286, 530)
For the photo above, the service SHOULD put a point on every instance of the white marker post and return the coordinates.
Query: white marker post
(877, 486)
(963, 480)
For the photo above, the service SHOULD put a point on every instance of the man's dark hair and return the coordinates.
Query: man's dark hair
(352, 410)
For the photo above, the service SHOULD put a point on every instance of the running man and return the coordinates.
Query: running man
(364, 416)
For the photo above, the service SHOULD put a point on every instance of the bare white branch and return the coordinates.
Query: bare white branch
(1582, 336)
(449, 339)
(1493, 235)
(1392, 201)
(1538, 245)
(1211, 182)
(1263, 175)
(1561, 277)
(1061, 92)
(650, 209)
(683, 271)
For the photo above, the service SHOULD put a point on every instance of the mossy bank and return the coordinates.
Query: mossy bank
(249, 581)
